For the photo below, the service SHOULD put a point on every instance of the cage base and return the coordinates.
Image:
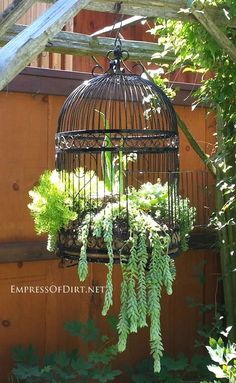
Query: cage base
(97, 252)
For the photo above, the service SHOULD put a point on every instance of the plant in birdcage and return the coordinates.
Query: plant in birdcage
(146, 266)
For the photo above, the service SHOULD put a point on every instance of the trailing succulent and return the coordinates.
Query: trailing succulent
(146, 266)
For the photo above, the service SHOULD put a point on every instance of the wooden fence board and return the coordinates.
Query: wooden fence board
(23, 157)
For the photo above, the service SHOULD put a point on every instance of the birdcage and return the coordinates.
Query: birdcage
(116, 132)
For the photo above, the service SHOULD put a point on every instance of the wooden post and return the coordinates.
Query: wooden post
(12, 13)
(29, 43)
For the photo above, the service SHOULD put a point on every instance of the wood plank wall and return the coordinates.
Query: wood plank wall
(28, 124)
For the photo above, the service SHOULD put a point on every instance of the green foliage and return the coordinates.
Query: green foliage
(62, 367)
(51, 207)
(86, 331)
(173, 370)
(158, 76)
(224, 358)
(113, 167)
(108, 165)
(207, 330)
(197, 51)
(52, 200)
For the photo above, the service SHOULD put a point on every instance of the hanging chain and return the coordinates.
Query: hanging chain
(115, 56)
(117, 8)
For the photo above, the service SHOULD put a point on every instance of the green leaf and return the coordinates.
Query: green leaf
(108, 168)
(74, 328)
(25, 355)
(81, 366)
(216, 355)
(105, 374)
(217, 371)
(87, 331)
(113, 321)
(25, 372)
(62, 359)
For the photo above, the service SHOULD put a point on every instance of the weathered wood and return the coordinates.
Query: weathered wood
(168, 9)
(12, 13)
(80, 45)
(30, 42)
(24, 251)
(207, 22)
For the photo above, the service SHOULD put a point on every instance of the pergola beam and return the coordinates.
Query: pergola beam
(12, 13)
(80, 45)
(167, 9)
(23, 48)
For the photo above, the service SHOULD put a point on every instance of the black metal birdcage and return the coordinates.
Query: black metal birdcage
(117, 121)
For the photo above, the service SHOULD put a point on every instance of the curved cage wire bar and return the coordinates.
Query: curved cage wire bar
(126, 116)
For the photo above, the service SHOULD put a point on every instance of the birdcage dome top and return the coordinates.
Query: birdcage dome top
(125, 105)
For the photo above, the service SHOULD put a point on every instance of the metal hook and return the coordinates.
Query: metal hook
(117, 6)
(97, 66)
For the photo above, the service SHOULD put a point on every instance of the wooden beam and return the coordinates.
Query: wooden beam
(207, 22)
(167, 9)
(24, 251)
(21, 50)
(12, 13)
(80, 45)
(43, 81)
